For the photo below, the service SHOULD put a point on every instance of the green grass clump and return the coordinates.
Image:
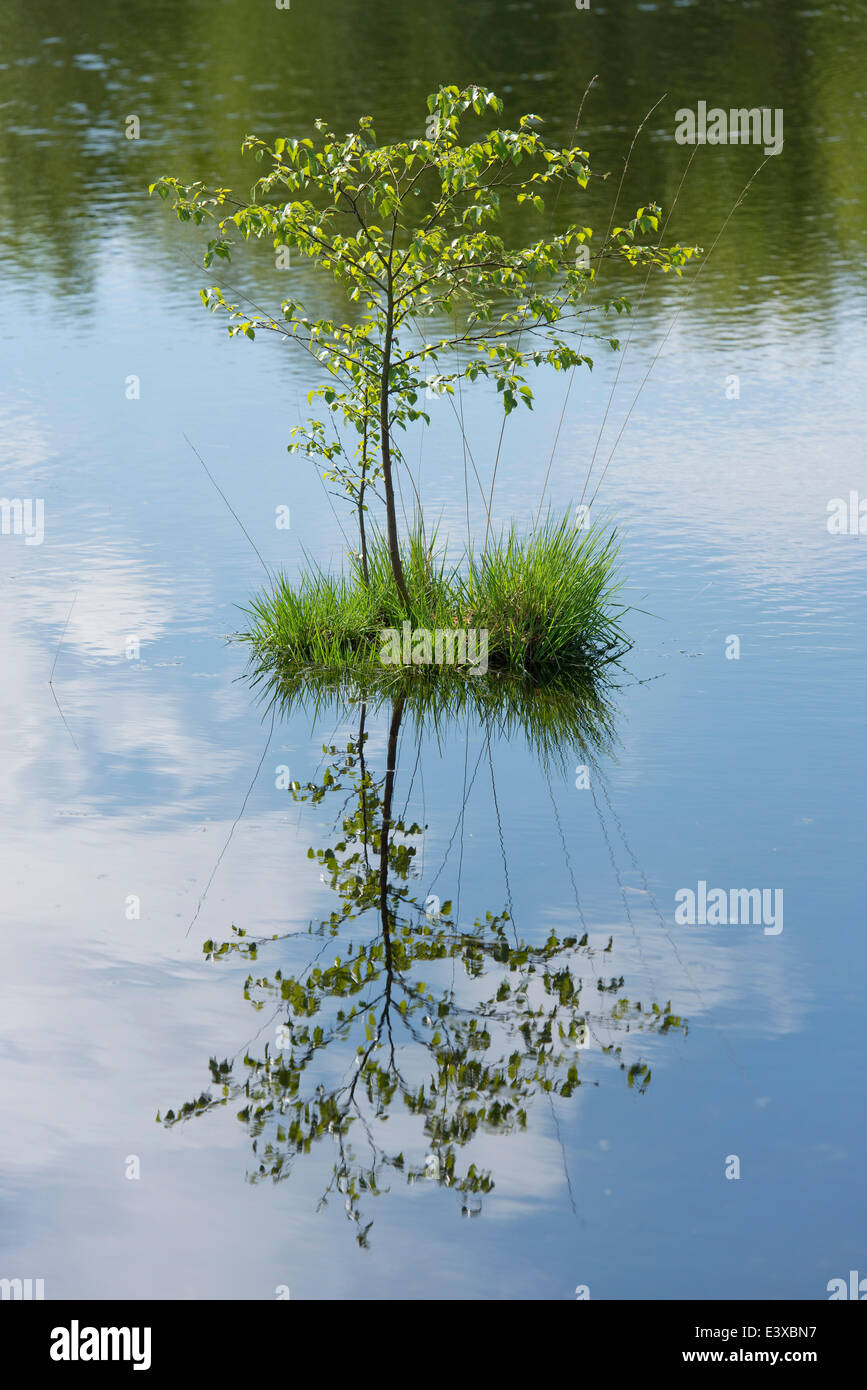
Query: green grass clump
(547, 602)
(567, 716)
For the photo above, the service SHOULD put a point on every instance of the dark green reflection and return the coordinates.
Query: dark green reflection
(203, 74)
(554, 718)
(464, 1028)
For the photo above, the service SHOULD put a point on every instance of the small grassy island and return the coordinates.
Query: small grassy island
(538, 608)
(436, 298)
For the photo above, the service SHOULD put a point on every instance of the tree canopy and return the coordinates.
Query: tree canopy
(407, 229)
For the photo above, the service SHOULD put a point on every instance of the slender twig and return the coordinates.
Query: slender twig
(229, 505)
(622, 355)
(234, 823)
(520, 331)
(737, 204)
(590, 299)
(54, 664)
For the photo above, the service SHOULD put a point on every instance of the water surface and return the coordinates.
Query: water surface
(144, 792)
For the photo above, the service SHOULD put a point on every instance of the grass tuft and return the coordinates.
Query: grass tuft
(547, 603)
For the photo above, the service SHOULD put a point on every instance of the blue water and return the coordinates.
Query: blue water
(736, 771)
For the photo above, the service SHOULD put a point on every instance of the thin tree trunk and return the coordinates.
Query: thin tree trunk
(391, 515)
(361, 737)
(385, 828)
(386, 916)
(361, 529)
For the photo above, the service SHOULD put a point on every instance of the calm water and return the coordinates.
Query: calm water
(158, 787)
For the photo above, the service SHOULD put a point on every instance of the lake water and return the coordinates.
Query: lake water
(144, 804)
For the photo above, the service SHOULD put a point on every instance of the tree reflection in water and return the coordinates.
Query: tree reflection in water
(459, 1027)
